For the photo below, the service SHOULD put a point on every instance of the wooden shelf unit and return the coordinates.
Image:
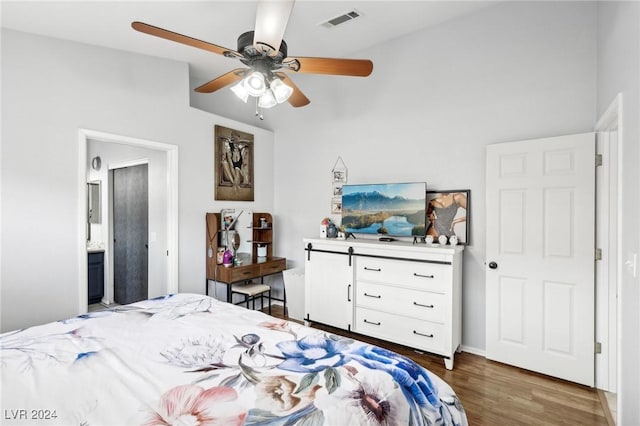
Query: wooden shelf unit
(257, 268)
(262, 235)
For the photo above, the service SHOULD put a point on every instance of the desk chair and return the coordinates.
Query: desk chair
(251, 292)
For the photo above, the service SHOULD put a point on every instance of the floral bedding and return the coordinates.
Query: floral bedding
(189, 359)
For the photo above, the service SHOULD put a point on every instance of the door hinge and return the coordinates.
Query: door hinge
(598, 348)
(598, 254)
(598, 160)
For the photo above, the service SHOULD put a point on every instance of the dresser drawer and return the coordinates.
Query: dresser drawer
(272, 267)
(416, 333)
(403, 301)
(419, 275)
(239, 273)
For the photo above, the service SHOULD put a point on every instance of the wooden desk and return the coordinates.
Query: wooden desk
(258, 268)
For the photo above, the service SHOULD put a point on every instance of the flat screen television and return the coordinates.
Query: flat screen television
(385, 209)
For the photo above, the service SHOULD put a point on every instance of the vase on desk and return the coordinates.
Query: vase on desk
(227, 258)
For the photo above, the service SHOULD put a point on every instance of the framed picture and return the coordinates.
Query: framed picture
(339, 172)
(336, 205)
(339, 176)
(233, 165)
(448, 214)
(337, 190)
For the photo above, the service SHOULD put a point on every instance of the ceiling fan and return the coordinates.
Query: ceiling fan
(265, 55)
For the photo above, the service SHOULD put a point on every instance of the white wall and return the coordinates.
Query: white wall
(619, 72)
(51, 88)
(434, 101)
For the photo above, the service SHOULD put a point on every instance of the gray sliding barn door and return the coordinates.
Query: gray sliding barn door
(130, 234)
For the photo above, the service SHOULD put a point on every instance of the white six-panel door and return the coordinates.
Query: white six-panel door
(540, 255)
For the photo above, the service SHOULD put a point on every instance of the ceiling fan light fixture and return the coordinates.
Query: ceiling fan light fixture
(267, 100)
(255, 84)
(264, 53)
(240, 91)
(281, 91)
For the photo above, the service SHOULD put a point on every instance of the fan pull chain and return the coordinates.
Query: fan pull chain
(259, 111)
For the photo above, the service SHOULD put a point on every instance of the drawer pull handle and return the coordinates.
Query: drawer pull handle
(372, 269)
(422, 276)
(422, 334)
(424, 306)
(374, 323)
(371, 295)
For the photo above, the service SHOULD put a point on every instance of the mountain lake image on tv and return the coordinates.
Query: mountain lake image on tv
(386, 210)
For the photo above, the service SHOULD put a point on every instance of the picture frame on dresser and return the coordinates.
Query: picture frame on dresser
(448, 213)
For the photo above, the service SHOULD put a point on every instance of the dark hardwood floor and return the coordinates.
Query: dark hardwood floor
(499, 394)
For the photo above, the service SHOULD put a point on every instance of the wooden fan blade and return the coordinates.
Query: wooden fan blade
(333, 66)
(222, 81)
(297, 98)
(271, 22)
(179, 38)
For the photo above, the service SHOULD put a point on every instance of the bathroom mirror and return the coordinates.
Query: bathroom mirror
(94, 210)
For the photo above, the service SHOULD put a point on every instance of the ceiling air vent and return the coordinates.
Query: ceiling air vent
(334, 22)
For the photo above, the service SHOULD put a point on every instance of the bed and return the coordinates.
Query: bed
(189, 359)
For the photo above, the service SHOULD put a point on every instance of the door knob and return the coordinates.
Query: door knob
(493, 265)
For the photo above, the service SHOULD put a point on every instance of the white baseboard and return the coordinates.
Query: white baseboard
(474, 351)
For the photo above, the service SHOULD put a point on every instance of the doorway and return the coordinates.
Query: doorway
(169, 207)
(130, 233)
(609, 238)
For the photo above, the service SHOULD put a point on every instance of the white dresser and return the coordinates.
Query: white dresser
(396, 291)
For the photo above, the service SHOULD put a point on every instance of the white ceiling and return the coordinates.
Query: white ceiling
(108, 23)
